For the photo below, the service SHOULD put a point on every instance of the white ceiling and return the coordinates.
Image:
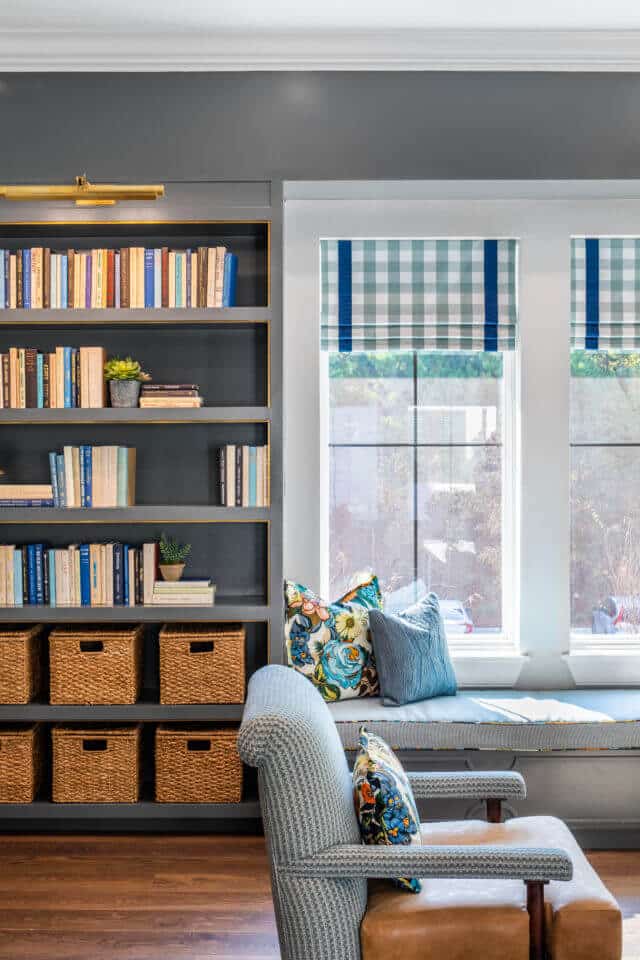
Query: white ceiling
(303, 15)
(319, 34)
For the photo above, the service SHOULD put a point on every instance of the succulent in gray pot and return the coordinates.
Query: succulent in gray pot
(172, 558)
(124, 377)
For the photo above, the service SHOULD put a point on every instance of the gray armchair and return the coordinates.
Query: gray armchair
(320, 868)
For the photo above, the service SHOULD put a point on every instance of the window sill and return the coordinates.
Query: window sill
(486, 665)
(605, 664)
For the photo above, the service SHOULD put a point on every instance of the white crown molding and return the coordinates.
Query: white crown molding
(510, 50)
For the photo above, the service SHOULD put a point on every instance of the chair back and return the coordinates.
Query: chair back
(306, 799)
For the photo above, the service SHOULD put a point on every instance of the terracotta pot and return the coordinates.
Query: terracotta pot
(124, 393)
(171, 571)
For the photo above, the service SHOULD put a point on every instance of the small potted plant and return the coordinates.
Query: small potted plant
(172, 558)
(124, 377)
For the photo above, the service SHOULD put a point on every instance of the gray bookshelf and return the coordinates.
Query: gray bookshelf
(235, 356)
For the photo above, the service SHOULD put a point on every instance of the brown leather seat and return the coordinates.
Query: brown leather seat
(487, 919)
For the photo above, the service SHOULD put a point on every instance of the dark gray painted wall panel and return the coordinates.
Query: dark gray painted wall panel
(319, 125)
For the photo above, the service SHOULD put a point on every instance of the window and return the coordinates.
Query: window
(605, 504)
(417, 491)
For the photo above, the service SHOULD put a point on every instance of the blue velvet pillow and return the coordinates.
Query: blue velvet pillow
(411, 653)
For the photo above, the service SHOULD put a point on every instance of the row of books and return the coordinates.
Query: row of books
(38, 277)
(66, 377)
(176, 395)
(243, 475)
(92, 476)
(91, 575)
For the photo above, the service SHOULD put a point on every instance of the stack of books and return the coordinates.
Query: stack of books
(243, 476)
(38, 277)
(67, 377)
(80, 575)
(26, 495)
(183, 593)
(176, 395)
(89, 476)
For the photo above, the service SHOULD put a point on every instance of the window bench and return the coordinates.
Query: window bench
(578, 750)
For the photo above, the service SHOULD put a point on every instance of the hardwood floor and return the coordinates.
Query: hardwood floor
(172, 898)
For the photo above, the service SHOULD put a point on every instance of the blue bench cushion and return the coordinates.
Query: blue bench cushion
(607, 719)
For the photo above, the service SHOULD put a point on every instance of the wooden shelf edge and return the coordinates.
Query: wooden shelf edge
(166, 513)
(114, 316)
(144, 810)
(136, 415)
(144, 712)
(220, 612)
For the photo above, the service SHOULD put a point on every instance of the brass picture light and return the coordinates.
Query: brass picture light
(83, 193)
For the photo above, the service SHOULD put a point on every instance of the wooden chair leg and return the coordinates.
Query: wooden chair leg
(494, 810)
(535, 908)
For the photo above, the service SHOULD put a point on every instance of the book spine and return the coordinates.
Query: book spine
(121, 476)
(88, 290)
(222, 474)
(148, 279)
(165, 277)
(31, 377)
(51, 560)
(6, 391)
(31, 573)
(187, 302)
(88, 475)
(83, 501)
(54, 292)
(19, 284)
(116, 280)
(46, 385)
(125, 285)
(18, 585)
(230, 280)
(45, 577)
(85, 576)
(125, 575)
(38, 574)
(118, 588)
(40, 380)
(31, 502)
(239, 475)
(4, 279)
(62, 486)
(53, 470)
(66, 376)
(252, 477)
(111, 278)
(157, 277)
(26, 278)
(46, 278)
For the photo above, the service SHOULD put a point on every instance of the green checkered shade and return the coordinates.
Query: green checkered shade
(605, 293)
(418, 295)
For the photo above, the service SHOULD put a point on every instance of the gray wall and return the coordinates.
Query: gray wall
(319, 125)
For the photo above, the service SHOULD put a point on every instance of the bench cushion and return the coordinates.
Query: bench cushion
(607, 719)
(449, 918)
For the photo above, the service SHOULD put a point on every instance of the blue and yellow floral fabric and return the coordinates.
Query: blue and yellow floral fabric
(330, 643)
(384, 801)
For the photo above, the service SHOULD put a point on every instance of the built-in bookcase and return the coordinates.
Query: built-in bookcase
(234, 354)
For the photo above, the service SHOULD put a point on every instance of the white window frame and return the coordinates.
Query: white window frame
(536, 649)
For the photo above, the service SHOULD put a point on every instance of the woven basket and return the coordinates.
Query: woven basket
(92, 666)
(197, 766)
(98, 765)
(202, 664)
(20, 664)
(21, 758)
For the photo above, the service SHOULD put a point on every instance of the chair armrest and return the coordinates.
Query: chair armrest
(468, 786)
(356, 861)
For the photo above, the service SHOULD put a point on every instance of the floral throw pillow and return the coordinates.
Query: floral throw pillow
(330, 643)
(384, 801)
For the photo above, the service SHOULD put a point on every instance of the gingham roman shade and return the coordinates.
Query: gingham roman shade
(605, 293)
(418, 294)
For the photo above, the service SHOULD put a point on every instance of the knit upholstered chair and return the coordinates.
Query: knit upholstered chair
(320, 869)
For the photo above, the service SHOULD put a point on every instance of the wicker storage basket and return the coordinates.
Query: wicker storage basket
(20, 763)
(92, 666)
(98, 765)
(20, 653)
(197, 766)
(202, 663)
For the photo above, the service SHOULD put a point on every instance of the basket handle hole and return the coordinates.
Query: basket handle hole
(94, 746)
(198, 745)
(91, 646)
(201, 646)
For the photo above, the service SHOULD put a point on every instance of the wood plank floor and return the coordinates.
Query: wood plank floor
(172, 898)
